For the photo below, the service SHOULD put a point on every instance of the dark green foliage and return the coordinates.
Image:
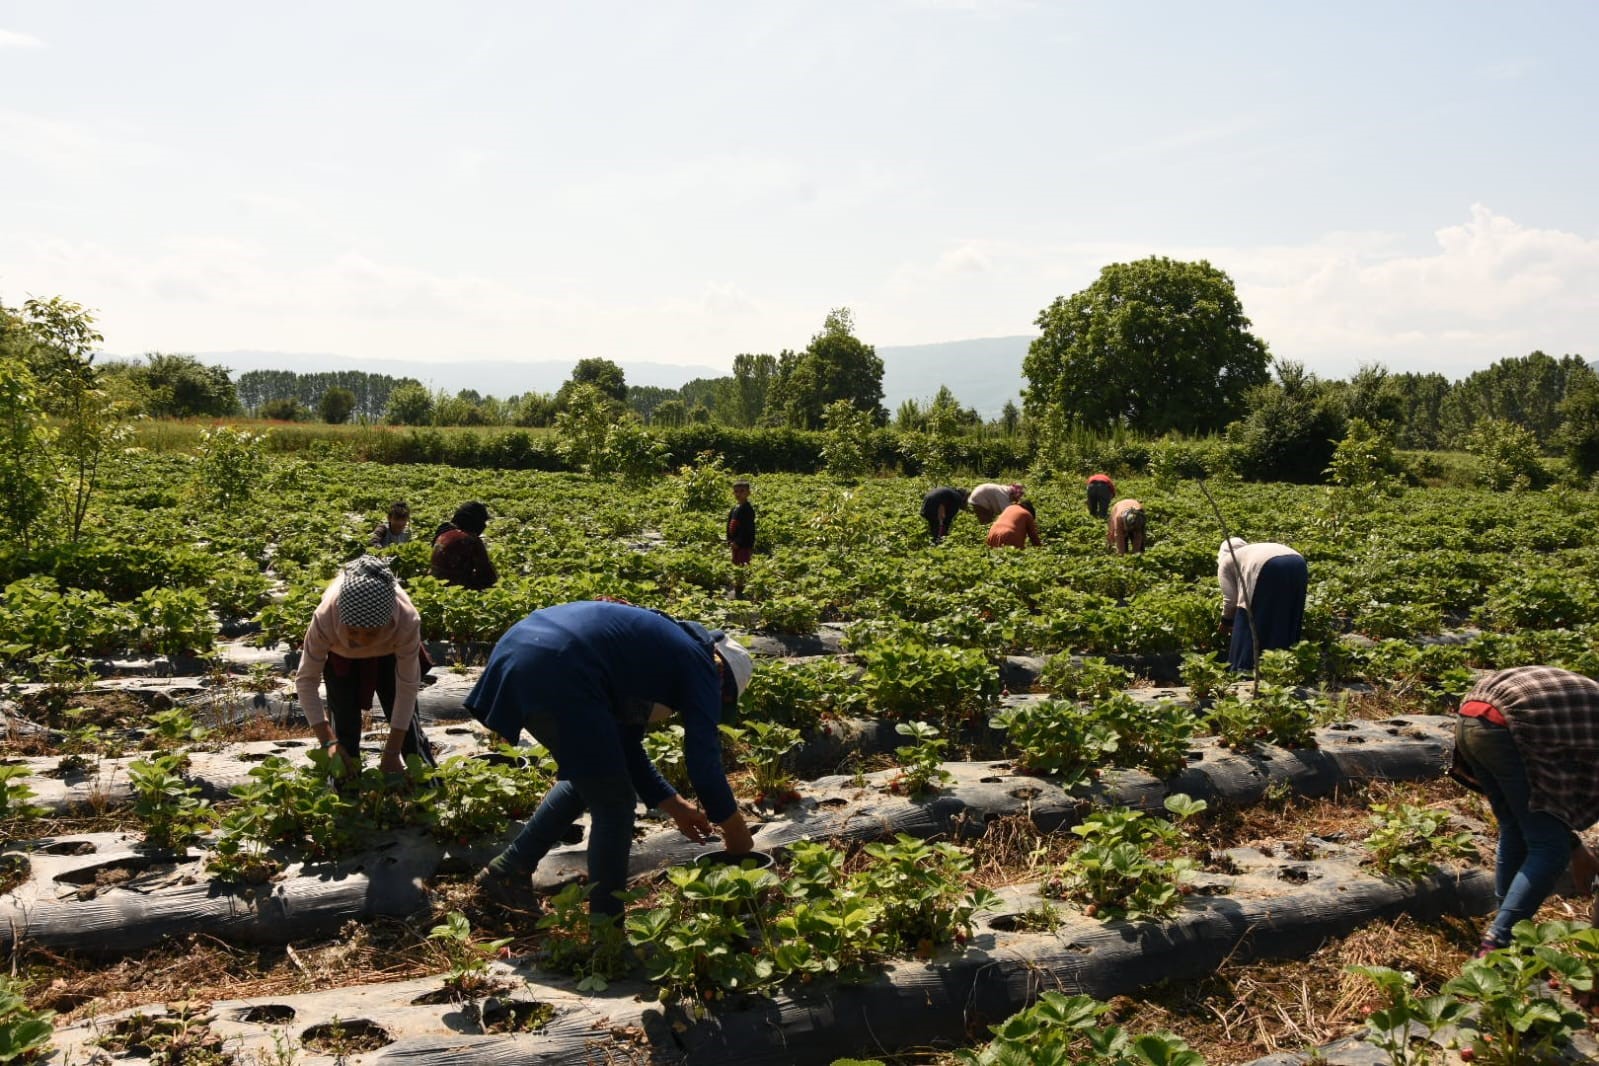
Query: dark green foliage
(1292, 429)
(1156, 344)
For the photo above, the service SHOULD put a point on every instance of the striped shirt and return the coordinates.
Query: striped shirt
(1553, 716)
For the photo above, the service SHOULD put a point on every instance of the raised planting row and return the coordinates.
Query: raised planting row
(292, 834)
(783, 935)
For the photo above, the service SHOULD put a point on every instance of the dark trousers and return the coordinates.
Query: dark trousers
(1099, 495)
(342, 682)
(611, 804)
(1534, 846)
(1278, 606)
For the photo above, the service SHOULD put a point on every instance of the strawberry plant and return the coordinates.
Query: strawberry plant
(799, 694)
(663, 746)
(592, 948)
(766, 746)
(463, 798)
(1152, 735)
(921, 890)
(1056, 738)
(1072, 677)
(1274, 715)
(698, 938)
(1517, 1021)
(16, 795)
(1393, 1026)
(170, 807)
(468, 960)
(1410, 842)
(24, 1033)
(921, 761)
(905, 677)
(1287, 667)
(1206, 676)
(1121, 869)
(1061, 1029)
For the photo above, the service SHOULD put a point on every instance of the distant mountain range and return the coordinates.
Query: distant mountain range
(982, 373)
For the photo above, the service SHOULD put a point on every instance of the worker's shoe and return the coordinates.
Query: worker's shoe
(507, 887)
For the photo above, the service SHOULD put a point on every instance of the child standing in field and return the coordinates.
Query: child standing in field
(741, 531)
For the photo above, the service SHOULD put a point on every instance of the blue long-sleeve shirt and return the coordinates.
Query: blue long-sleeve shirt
(596, 668)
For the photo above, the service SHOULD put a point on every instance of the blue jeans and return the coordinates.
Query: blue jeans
(1534, 846)
(611, 803)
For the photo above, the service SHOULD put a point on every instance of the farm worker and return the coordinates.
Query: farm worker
(394, 530)
(1267, 582)
(1100, 491)
(741, 532)
(988, 500)
(1014, 528)
(939, 509)
(741, 524)
(365, 637)
(1528, 739)
(459, 555)
(1126, 527)
(585, 678)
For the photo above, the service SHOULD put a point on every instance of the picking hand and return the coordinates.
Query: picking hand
(691, 821)
(736, 836)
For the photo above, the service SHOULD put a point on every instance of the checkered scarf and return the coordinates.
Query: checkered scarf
(366, 598)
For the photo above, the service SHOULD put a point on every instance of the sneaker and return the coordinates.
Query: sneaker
(511, 891)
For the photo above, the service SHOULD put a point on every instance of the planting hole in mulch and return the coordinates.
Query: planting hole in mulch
(266, 1014)
(341, 1038)
(515, 1016)
(91, 879)
(67, 847)
(14, 870)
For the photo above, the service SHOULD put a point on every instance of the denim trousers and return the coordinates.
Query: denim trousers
(1534, 846)
(611, 804)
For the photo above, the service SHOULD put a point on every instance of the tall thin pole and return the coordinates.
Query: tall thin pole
(1243, 593)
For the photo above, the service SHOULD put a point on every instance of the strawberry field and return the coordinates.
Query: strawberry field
(990, 782)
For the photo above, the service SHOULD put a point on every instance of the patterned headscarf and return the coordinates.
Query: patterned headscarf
(366, 597)
(1016, 493)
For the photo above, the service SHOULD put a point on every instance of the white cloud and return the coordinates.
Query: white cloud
(1490, 288)
(14, 39)
(1476, 291)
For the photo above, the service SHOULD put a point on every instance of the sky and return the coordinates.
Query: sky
(1405, 184)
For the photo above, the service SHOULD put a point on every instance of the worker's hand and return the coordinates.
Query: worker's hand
(691, 821)
(736, 836)
(392, 763)
(1225, 625)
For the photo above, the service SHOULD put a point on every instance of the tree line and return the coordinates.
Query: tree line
(1155, 346)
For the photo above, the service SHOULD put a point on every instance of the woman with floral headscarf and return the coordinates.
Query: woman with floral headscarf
(364, 639)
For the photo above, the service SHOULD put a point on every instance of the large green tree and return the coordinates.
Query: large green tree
(1157, 345)
(835, 366)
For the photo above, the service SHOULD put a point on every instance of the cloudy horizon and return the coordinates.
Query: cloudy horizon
(511, 182)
